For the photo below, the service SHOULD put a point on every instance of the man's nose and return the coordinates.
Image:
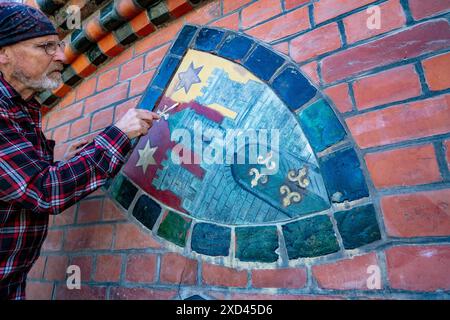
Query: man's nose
(59, 55)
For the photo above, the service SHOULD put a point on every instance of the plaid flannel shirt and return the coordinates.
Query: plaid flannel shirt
(33, 186)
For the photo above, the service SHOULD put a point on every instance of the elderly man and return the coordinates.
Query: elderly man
(32, 185)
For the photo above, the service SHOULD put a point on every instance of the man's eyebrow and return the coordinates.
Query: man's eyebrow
(46, 42)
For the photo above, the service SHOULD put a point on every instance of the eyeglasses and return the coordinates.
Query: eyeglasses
(51, 47)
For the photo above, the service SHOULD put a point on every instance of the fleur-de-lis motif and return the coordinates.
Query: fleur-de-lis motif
(258, 176)
(301, 179)
(266, 161)
(164, 114)
(290, 196)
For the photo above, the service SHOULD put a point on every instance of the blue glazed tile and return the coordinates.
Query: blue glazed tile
(208, 39)
(257, 244)
(321, 126)
(343, 176)
(211, 239)
(79, 41)
(109, 18)
(147, 211)
(293, 88)
(150, 99)
(70, 77)
(235, 47)
(166, 71)
(158, 13)
(358, 226)
(263, 62)
(310, 237)
(184, 38)
(96, 56)
(123, 191)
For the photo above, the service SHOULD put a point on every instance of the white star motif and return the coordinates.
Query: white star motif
(146, 156)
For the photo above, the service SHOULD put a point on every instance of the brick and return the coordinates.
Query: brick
(102, 119)
(436, 72)
(129, 236)
(85, 293)
(154, 58)
(262, 296)
(108, 268)
(37, 271)
(279, 278)
(140, 83)
(204, 14)
(340, 95)
(230, 22)
(419, 214)
(315, 43)
(259, 12)
(178, 269)
(158, 38)
(385, 87)
(409, 43)
(282, 47)
(59, 151)
(65, 115)
(85, 265)
(106, 98)
(392, 17)
(67, 100)
(222, 276)
(231, 5)
(291, 4)
(107, 79)
(141, 268)
(131, 69)
(86, 88)
(85, 238)
(54, 241)
(39, 290)
(328, 9)
(286, 25)
(403, 167)
(119, 59)
(121, 293)
(90, 211)
(422, 9)
(348, 274)
(80, 127)
(55, 268)
(402, 122)
(419, 268)
(111, 212)
(122, 108)
(178, 8)
(61, 134)
(311, 71)
(66, 217)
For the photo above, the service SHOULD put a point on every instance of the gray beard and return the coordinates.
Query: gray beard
(45, 83)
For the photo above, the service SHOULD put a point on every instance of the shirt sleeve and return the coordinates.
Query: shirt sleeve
(32, 183)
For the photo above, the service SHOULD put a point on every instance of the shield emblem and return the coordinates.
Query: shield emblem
(246, 140)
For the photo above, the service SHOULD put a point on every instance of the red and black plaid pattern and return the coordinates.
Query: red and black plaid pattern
(33, 186)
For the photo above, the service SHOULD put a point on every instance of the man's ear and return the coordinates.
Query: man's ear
(4, 55)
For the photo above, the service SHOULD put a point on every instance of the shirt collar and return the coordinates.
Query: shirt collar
(6, 89)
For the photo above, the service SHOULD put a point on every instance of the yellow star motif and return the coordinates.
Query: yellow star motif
(146, 156)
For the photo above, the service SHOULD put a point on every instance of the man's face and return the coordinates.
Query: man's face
(34, 67)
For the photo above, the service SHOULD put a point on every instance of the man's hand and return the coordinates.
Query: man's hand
(74, 149)
(136, 122)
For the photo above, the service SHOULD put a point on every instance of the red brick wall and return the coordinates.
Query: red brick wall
(391, 86)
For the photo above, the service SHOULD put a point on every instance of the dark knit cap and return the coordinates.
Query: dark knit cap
(19, 22)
